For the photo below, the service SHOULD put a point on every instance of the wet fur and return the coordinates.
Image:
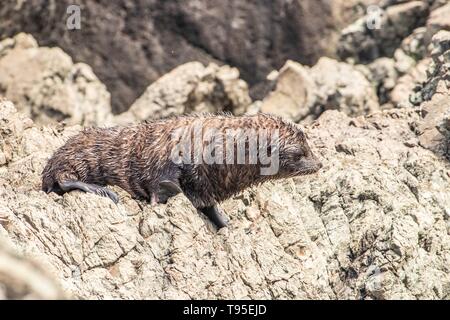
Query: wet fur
(137, 158)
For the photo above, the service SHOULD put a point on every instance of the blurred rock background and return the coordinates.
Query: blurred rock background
(130, 44)
(374, 102)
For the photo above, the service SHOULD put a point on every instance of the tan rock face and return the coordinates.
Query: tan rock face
(48, 87)
(24, 278)
(294, 93)
(191, 87)
(302, 93)
(435, 92)
(372, 224)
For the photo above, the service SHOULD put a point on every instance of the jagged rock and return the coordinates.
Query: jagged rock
(47, 86)
(373, 224)
(396, 53)
(294, 93)
(396, 78)
(435, 92)
(441, 43)
(191, 87)
(343, 87)
(438, 72)
(303, 93)
(435, 130)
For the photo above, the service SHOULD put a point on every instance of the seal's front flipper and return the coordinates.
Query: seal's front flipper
(67, 186)
(168, 189)
(215, 216)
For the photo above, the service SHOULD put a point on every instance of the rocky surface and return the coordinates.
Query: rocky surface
(24, 278)
(191, 87)
(302, 93)
(434, 96)
(129, 44)
(48, 87)
(395, 52)
(373, 224)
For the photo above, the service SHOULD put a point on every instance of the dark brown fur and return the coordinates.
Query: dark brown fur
(137, 158)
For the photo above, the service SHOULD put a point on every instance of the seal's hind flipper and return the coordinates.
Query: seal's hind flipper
(168, 189)
(215, 216)
(67, 186)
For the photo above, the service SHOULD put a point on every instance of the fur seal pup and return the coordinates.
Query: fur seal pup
(207, 157)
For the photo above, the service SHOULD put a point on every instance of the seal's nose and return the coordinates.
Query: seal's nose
(317, 163)
(318, 166)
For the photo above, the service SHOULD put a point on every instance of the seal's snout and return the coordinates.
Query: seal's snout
(316, 164)
(309, 165)
(319, 165)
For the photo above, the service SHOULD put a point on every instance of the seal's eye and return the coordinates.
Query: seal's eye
(299, 156)
(297, 152)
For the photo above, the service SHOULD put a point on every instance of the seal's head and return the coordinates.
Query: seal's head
(296, 157)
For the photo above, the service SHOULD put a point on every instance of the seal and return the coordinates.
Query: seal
(208, 157)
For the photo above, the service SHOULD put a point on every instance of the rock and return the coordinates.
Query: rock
(22, 278)
(435, 94)
(439, 19)
(373, 224)
(396, 53)
(363, 43)
(395, 78)
(435, 131)
(343, 87)
(302, 93)
(294, 93)
(440, 44)
(438, 72)
(415, 45)
(256, 37)
(405, 17)
(383, 76)
(400, 95)
(356, 44)
(48, 87)
(191, 87)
